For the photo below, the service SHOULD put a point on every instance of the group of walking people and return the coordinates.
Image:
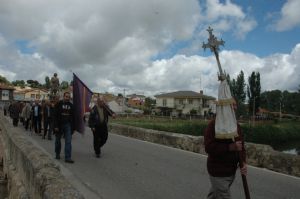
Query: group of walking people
(223, 138)
(54, 117)
(37, 116)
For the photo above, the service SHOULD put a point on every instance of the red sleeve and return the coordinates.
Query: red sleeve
(213, 147)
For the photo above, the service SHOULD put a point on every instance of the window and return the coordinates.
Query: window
(180, 101)
(32, 96)
(5, 95)
(164, 102)
(190, 101)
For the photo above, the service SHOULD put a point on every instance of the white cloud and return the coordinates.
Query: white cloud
(110, 45)
(228, 16)
(278, 71)
(290, 16)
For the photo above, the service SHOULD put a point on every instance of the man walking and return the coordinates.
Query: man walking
(48, 113)
(27, 114)
(98, 123)
(63, 125)
(223, 150)
(37, 117)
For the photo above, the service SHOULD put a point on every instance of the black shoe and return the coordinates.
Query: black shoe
(49, 138)
(69, 161)
(43, 137)
(57, 157)
(97, 155)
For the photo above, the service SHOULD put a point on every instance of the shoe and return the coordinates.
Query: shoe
(97, 155)
(57, 157)
(43, 137)
(49, 138)
(69, 161)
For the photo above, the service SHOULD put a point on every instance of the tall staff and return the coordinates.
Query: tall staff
(213, 44)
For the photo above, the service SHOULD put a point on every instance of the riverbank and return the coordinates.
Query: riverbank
(273, 134)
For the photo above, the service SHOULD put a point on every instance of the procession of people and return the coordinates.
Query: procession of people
(223, 138)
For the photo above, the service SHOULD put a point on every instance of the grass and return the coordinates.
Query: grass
(263, 133)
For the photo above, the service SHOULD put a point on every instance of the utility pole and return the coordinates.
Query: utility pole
(253, 114)
(123, 105)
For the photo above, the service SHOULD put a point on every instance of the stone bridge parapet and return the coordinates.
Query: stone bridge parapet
(257, 154)
(30, 172)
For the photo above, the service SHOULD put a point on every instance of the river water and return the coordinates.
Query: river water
(292, 147)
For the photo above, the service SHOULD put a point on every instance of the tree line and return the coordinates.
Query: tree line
(250, 98)
(34, 83)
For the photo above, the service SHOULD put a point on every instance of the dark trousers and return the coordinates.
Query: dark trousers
(100, 137)
(15, 121)
(37, 124)
(27, 120)
(64, 130)
(46, 125)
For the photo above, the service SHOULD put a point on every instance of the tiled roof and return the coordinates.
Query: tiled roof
(184, 94)
(5, 86)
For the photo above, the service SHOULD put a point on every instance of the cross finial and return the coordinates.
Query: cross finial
(213, 44)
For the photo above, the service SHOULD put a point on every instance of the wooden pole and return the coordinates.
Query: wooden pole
(244, 179)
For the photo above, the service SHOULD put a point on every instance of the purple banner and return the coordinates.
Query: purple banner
(81, 99)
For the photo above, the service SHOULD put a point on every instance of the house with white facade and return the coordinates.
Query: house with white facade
(185, 102)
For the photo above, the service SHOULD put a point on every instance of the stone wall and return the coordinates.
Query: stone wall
(257, 154)
(30, 172)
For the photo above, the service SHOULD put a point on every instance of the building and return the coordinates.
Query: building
(31, 94)
(184, 103)
(135, 100)
(6, 92)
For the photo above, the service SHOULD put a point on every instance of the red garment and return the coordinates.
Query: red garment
(221, 162)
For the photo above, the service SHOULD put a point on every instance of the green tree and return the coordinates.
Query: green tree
(4, 80)
(270, 100)
(149, 105)
(34, 83)
(253, 92)
(238, 92)
(47, 84)
(289, 102)
(64, 85)
(20, 83)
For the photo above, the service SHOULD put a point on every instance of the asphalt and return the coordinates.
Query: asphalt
(134, 169)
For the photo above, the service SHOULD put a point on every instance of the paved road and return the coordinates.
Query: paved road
(134, 169)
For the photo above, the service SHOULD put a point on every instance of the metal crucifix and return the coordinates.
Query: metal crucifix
(213, 44)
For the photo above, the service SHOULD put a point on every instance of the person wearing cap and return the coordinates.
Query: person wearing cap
(98, 123)
(223, 140)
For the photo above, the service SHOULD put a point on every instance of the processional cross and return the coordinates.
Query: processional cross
(213, 44)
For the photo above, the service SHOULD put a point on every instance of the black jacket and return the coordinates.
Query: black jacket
(94, 118)
(63, 114)
(39, 110)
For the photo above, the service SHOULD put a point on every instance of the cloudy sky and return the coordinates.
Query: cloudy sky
(149, 47)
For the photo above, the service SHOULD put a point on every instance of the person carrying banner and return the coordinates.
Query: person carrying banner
(63, 125)
(98, 123)
(223, 138)
(223, 159)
